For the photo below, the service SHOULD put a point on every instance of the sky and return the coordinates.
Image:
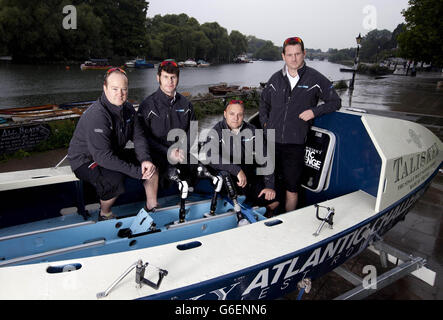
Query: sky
(322, 24)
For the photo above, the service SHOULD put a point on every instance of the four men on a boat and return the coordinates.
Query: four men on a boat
(288, 105)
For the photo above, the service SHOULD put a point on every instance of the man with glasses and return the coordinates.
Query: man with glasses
(161, 112)
(288, 105)
(97, 152)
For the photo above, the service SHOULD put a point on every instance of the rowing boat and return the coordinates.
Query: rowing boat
(354, 193)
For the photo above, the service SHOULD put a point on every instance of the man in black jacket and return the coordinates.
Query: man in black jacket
(97, 151)
(158, 114)
(237, 142)
(288, 105)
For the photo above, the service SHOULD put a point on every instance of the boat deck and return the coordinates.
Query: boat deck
(197, 264)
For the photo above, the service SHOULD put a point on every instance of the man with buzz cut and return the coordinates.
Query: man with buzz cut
(288, 104)
(97, 152)
(158, 114)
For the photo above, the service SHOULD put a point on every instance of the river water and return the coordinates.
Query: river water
(26, 85)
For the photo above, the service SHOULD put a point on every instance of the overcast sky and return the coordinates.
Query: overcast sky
(322, 24)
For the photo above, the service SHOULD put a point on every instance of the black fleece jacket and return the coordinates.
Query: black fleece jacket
(159, 113)
(102, 133)
(247, 145)
(280, 106)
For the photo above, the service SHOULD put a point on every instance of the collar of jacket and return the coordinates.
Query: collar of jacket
(165, 98)
(300, 71)
(115, 110)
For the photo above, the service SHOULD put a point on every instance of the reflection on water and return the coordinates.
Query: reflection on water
(23, 85)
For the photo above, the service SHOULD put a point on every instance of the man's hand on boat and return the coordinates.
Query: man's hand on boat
(269, 194)
(148, 169)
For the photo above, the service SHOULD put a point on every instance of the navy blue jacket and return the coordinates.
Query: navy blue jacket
(159, 113)
(247, 143)
(103, 132)
(280, 106)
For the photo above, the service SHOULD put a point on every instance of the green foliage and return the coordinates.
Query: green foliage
(422, 39)
(268, 52)
(340, 56)
(19, 154)
(373, 70)
(262, 49)
(181, 37)
(33, 30)
(61, 134)
(207, 105)
(340, 85)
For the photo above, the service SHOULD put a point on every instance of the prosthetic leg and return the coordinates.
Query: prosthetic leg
(183, 187)
(232, 194)
(217, 181)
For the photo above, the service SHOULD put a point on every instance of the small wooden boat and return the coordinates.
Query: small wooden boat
(47, 112)
(96, 64)
(223, 89)
(47, 115)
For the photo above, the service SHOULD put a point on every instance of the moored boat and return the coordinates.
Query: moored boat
(130, 63)
(143, 64)
(190, 63)
(353, 194)
(202, 64)
(96, 64)
(223, 89)
(45, 112)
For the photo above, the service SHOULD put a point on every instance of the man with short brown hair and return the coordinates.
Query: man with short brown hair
(288, 105)
(162, 111)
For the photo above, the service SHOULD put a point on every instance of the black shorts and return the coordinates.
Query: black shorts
(107, 183)
(289, 165)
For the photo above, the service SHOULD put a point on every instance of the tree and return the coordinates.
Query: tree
(221, 48)
(268, 52)
(374, 43)
(239, 43)
(422, 39)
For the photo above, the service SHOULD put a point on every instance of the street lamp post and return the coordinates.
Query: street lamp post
(358, 39)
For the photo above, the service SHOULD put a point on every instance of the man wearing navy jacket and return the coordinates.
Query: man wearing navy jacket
(288, 105)
(97, 152)
(158, 114)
